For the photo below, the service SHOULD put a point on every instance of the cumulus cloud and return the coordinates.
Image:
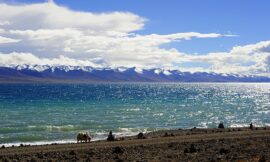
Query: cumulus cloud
(263, 46)
(30, 59)
(49, 31)
(51, 16)
(49, 34)
(247, 59)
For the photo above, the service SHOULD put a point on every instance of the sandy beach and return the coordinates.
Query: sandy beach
(230, 144)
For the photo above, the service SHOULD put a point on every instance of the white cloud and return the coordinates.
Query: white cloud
(263, 46)
(30, 59)
(85, 35)
(52, 16)
(2, 23)
(7, 40)
(248, 59)
(46, 33)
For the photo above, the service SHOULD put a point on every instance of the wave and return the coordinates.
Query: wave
(264, 112)
(133, 109)
(43, 142)
(247, 124)
(47, 128)
(38, 143)
(53, 127)
(97, 136)
(256, 123)
(239, 125)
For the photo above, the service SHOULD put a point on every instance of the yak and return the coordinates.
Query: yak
(83, 137)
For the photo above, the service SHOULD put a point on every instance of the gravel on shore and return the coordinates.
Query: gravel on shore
(229, 144)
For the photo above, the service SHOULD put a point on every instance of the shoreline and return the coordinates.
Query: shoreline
(199, 143)
(118, 135)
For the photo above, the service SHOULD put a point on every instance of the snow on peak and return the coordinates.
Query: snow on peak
(166, 72)
(121, 69)
(157, 71)
(139, 70)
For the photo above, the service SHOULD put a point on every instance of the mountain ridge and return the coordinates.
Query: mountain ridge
(46, 73)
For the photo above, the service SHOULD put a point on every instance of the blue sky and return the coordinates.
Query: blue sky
(246, 20)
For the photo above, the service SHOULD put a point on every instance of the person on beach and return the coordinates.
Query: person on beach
(250, 126)
(110, 137)
(221, 126)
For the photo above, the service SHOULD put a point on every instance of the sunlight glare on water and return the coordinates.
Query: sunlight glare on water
(57, 112)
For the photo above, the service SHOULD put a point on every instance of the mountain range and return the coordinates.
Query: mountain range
(45, 73)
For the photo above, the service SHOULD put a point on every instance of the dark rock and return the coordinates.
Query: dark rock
(192, 148)
(88, 160)
(3, 146)
(170, 145)
(117, 159)
(224, 151)
(169, 156)
(140, 136)
(21, 145)
(46, 154)
(72, 152)
(33, 160)
(262, 159)
(74, 158)
(142, 146)
(166, 135)
(90, 153)
(221, 125)
(221, 140)
(118, 150)
(110, 137)
(173, 145)
(40, 155)
(5, 160)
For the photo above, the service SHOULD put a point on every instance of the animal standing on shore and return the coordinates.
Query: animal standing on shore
(83, 137)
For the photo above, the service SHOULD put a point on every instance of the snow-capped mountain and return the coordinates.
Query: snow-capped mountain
(45, 73)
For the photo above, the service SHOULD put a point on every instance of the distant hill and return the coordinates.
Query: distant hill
(46, 73)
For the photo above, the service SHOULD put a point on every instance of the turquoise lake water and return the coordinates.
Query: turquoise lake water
(48, 113)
